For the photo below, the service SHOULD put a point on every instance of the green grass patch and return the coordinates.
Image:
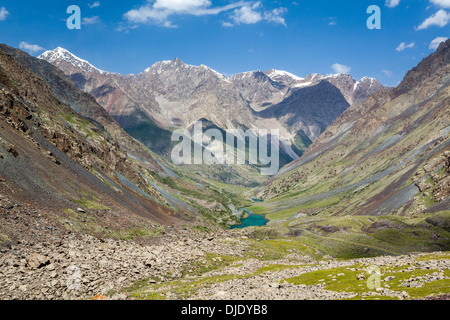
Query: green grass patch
(275, 268)
(87, 223)
(91, 204)
(345, 280)
(202, 229)
(277, 249)
(211, 262)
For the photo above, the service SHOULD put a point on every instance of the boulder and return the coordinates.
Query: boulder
(36, 261)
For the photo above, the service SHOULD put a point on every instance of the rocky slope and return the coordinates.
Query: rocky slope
(81, 102)
(59, 160)
(63, 156)
(308, 111)
(386, 155)
(258, 89)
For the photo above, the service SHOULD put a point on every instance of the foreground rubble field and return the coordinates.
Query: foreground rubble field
(227, 265)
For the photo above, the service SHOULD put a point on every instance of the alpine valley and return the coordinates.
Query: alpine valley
(91, 205)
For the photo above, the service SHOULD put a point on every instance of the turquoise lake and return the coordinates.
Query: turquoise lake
(253, 220)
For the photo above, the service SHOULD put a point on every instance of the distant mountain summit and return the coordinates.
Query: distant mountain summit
(187, 93)
(352, 90)
(62, 58)
(283, 76)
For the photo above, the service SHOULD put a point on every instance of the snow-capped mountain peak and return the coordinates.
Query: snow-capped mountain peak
(176, 65)
(62, 55)
(367, 82)
(314, 77)
(283, 76)
(338, 75)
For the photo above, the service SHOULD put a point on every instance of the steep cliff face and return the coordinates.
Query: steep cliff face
(308, 111)
(385, 155)
(259, 89)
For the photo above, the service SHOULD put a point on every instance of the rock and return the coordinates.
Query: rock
(36, 261)
(12, 150)
(220, 294)
(80, 210)
(51, 267)
(121, 279)
(148, 263)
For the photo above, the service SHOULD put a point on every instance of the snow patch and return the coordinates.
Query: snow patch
(276, 74)
(302, 85)
(370, 81)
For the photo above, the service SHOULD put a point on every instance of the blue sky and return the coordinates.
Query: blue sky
(232, 36)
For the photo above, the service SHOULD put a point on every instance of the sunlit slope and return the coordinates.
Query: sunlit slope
(386, 155)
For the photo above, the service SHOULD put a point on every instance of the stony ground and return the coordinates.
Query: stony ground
(280, 284)
(81, 267)
(220, 266)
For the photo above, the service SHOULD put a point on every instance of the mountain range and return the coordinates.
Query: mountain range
(172, 94)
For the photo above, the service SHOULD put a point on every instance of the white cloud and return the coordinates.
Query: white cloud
(227, 24)
(440, 18)
(387, 73)
(3, 13)
(159, 11)
(96, 4)
(253, 13)
(124, 28)
(32, 48)
(441, 3)
(247, 15)
(340, 68)
(91, 20)
(402, 46)
(275, 16)
(332, 21)
(181, 5)
(436, 42)
(392, 3)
